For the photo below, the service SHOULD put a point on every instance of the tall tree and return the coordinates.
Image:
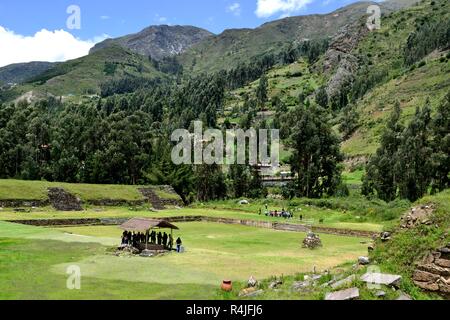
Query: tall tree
(381, 172)
(316, 152)
(441, 146)
(261, 92)
(414, 160)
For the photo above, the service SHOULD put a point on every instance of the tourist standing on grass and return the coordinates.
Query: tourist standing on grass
(179, 243)
(159, 238)
(170, 242)
(165, 238)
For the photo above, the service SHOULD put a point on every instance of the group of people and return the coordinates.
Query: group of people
(278, 214)
(161, 239)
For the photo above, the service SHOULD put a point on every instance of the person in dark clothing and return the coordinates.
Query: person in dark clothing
(165, 238)
(179, 243)
(153, 237)
(170, 242)
(159, 238)
(134, 240)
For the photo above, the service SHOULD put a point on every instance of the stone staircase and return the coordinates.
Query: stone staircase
(153, 198)
(61, 200)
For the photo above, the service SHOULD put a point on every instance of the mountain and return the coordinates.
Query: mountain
(85, 75)
(234, 46)
(21, 72)
(159, 41)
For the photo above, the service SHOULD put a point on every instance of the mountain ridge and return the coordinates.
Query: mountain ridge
(158, 41)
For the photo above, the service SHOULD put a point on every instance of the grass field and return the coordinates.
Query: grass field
(311, 215)
(34, 261)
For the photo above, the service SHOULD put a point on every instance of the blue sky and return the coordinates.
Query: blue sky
(117, 18)
(37, 30)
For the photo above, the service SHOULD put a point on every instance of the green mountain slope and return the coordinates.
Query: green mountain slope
(235, 46)
(383, 60)
(83, 76)
(19, 72)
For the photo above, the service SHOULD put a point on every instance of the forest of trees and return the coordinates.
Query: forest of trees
(412, 160)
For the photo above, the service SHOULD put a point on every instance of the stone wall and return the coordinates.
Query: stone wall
(433, 273)
(18, 203)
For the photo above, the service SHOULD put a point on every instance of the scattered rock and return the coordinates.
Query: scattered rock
(301, 285)
(364, 261)
(386, 236)
(244, 202)
(382, 279)
(252, 282)
(250, 293)
(275, 284)
(348, 294)
(345, 282)
(417, 216)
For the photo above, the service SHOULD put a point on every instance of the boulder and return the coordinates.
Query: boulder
(382, 279)
(348, 294)
(364, 261)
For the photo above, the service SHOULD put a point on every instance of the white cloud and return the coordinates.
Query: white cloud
(105, 17)
(234, 8)
(52, 46)
(267, 8)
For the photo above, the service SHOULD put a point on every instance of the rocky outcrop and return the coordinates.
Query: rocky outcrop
(417, 216)
(61, 200)
(433, 273)
(340, 60)
(158, 42)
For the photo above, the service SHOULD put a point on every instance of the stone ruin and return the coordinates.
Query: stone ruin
(61, 200)
(433, 273)
(417, 216)
(312, 241)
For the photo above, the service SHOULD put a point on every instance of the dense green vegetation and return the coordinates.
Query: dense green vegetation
(414, 159)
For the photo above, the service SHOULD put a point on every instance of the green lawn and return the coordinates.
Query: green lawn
(34, 261)
(311, 215)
